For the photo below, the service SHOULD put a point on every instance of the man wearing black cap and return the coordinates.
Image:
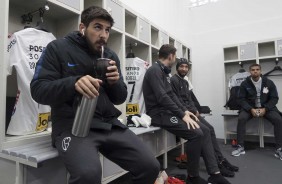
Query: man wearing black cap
(163, 106)
(180, 87)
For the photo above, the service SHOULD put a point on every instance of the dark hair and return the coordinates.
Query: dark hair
(95, 12)
(181, 61)
(166, 50)
(252, 65)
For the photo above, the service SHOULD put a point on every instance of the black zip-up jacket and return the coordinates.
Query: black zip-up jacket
(62, 63)
(248, 94)
(180, 87)
(158, 94)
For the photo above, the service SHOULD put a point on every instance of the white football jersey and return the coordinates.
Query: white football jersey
(24, 50)
(237, 79)
(189, 82)
(134, 74)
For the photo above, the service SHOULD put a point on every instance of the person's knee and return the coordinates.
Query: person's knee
(206, 130)
(152, 167)
(149, 168)
(199, 134)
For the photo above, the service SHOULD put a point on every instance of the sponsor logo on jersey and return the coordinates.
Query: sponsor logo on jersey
(36, 48)
(174, 119)
(66, 143)
(13, 42)
(132, 109)
(42, 121)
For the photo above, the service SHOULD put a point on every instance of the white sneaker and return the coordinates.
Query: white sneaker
(278, 153)
(239, 151)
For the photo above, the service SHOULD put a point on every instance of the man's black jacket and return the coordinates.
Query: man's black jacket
(248, 94)
(158, 94)
(180, 87)
(62, 63)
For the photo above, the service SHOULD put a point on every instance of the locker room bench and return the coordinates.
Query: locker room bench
(43, 157)
(260, 127)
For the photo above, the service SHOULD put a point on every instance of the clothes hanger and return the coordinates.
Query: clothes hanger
(40, 24)
(241, 70)
(131, 54)
(276, 68)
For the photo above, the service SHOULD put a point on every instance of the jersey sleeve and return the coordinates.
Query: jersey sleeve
(13, 50)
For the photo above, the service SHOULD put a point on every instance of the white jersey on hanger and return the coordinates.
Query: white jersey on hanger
(24, 50)
(189, 82)
(134, 74)
(237, 79)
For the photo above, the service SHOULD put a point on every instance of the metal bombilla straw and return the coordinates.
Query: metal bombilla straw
(84, 114)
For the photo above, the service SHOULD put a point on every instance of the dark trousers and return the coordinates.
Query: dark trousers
(273, 116)
(199, 142)
(122, 146)
(216, 148)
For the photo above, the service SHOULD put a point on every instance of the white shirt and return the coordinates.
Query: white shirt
(237, 79)
(24, 50)
(135, 70)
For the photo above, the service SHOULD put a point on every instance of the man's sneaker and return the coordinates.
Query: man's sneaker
(238, 151)
(278, 153)
(195, 180)
(218, 179)
(225, 172)
(173, 180)
(229, 166)
(181, 158)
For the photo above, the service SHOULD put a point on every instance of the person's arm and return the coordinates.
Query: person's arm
(155, 82)
(242, 98)
(273, 97)
(47, 86)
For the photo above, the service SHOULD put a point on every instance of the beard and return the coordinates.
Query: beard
(96, 47)
(182, 74)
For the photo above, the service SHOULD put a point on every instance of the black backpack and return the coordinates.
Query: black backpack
(233, 103)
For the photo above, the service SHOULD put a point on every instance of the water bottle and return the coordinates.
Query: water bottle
(86, 108)
(83, 117)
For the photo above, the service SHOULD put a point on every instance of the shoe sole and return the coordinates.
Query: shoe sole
(241, 153)
(277, 156)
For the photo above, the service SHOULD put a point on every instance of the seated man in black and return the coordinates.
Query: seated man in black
(167, 112)
(258, 98)
(180, 87)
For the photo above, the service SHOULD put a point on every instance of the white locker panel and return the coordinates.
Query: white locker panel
(71, 3)
(279, 47)
(164, 39)
(115, 9)
(248, 51)
(144, 30)
(178, 46)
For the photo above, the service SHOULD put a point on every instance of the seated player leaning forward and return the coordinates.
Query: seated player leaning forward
(180, 87)
(167, 112)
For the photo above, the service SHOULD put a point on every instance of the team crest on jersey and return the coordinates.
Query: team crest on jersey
(174, 119)
(66, 143)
